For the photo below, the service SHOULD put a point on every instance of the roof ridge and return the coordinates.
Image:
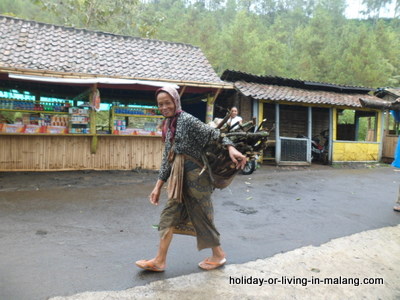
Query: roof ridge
(90, 31)
(262, 79)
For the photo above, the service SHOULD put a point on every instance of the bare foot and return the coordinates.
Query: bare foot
(211, 263)
(151, 265)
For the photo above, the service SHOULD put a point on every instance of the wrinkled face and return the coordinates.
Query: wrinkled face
(166, 104)
(234, 112)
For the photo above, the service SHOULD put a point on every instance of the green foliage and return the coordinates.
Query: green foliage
(304, 39)
(92, 14)
(103, 119)
(20, 8)
(374, 7)
(348, 116)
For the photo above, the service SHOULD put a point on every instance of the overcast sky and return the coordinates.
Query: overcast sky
(354, 6)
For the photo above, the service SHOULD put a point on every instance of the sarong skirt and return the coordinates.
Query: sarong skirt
(195, 215)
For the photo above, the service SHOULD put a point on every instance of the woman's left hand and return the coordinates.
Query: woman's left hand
(238, 158)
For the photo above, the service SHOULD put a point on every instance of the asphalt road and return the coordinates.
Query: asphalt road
(70, 232)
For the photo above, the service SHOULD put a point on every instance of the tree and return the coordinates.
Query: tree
(362, 63)
(374, 7)
(115, 16)
(22, 9)
(308, 39)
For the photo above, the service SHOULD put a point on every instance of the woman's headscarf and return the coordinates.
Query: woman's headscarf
(171, 122)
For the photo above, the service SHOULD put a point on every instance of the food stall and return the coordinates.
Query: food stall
(82, 127)
(62, 134)
(76, 99)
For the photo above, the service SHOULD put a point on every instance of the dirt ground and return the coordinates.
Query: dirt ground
(67, 232)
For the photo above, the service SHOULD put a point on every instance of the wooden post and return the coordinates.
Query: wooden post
(387, 118)
(309, 134)
(94, 144)
(260, 118)
(330, 140)
(210, 109)
(210, 106)
(182, 91)
(357, 125)
(277, 134)
(111, 120)
(334, 124)
(379, 131)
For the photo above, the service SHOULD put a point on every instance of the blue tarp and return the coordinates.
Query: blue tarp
(396, 115)
(396, 161)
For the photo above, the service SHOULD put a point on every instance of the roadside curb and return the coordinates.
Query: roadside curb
(370, 255)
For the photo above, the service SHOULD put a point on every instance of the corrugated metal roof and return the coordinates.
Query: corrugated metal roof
(382, 92)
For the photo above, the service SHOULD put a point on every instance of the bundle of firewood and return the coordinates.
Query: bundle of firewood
(248, 139)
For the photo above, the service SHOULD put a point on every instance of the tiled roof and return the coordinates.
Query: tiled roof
(291, 94)
(233, 76)
(298, 91)
(43, 47)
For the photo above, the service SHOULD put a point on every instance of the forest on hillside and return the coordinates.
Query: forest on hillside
(302, 39)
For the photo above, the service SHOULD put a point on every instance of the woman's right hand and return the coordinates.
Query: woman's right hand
(155, 194)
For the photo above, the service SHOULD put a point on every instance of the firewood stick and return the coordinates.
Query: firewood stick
(207, 166)
(261, 124)
(248, 134)
(224, 120)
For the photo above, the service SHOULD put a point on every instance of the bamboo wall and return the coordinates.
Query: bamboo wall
(389, 146)
(57, 153)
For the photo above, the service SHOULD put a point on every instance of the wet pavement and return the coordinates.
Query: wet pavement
(71, 232)
(360, 266)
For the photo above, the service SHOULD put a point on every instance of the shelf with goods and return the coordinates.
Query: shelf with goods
(79, 120)
(32, 117)
(34, 106)
(135, 120)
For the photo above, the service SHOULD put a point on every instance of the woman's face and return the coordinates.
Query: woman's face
(166, 104)
(234, 112)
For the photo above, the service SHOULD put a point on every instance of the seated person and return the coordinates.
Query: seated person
(234, 119)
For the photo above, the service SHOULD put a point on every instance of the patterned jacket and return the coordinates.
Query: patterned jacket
(191, 136)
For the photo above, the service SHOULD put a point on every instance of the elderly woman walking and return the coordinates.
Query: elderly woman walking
(189, 209)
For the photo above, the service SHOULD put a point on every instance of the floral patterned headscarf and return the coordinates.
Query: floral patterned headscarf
(170, 123)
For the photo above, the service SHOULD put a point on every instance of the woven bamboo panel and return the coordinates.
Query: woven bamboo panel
(55, 153)
(389, 146)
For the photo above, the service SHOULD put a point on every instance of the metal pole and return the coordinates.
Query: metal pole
(330, 142)
(309, 134)
(277, 135)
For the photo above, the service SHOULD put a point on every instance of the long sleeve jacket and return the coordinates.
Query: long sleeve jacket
(191, 136)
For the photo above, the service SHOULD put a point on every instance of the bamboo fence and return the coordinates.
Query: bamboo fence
(59, 153)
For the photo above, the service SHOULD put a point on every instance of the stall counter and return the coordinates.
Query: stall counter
(61, 152)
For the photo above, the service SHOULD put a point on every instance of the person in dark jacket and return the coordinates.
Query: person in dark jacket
(189, 208)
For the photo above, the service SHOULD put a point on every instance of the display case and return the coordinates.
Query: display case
(135, 120)
(79, 120)
(34, 106)
(34, 117)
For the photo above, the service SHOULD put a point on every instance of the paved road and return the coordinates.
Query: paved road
(360, 266)
(66, 233)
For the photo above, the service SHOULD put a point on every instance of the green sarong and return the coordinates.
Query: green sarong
(195, 215)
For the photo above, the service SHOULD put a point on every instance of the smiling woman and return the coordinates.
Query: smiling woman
(189, 209)
(165, 105)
